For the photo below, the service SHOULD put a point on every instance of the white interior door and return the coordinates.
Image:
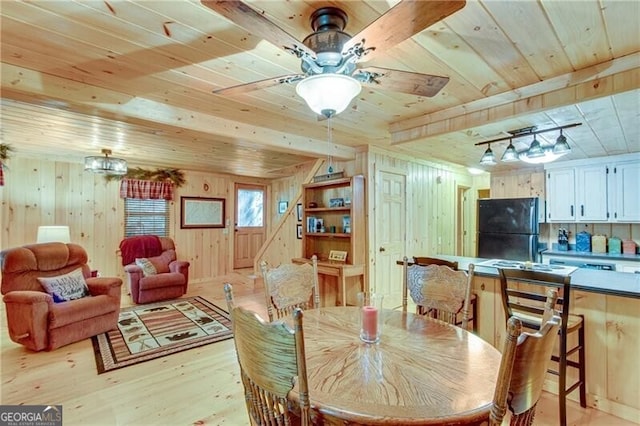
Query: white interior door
(390, 239)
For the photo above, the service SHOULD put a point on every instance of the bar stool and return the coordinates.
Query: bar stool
(524, 302)
(426, 261)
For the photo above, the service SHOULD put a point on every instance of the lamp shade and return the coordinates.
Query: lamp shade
(328, 94)
(561, 146)
(488, 158)
(105, 165)
(535, 149)
(50, 234)
(510, 154)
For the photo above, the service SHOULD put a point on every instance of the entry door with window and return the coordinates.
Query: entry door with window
(249, 224)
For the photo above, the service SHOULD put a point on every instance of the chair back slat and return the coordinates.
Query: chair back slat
(271, 356)
(290, 286)
(426, 261)
(518, 287)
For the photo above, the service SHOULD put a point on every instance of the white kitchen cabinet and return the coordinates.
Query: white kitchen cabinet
(594, 190)
(561, 195)
(624, 191)
(591, 193)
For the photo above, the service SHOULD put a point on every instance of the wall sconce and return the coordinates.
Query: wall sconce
(55, 233)
(536, 153)
(105, 165)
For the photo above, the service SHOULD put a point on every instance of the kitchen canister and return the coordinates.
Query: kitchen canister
(599, 244)
(583, 241)
(615, 245)
(629, 247)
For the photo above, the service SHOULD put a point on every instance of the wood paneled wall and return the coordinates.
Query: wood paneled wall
(40, 192)
(282, 243)
(431, 200)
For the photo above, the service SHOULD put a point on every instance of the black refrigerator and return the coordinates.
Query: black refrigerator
(508, 229)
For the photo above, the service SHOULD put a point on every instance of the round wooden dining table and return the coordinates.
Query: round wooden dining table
(421, 372)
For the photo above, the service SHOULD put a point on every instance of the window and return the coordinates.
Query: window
(250, 208)
(146, 217)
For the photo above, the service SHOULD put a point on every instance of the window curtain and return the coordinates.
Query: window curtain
(146, 189)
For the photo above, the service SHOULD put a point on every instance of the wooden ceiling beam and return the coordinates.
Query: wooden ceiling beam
(606, 79)
(26, 85)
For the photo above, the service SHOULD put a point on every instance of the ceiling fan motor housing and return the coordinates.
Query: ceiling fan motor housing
(327, 40)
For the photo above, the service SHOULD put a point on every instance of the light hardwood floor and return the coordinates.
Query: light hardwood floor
(196, 387)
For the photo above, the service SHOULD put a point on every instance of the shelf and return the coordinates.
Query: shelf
(328, 235)
(334, 219)
(328, 209)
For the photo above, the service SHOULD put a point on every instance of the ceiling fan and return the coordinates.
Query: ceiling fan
(332, 58)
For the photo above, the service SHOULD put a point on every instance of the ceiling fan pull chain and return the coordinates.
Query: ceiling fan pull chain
(329, 141)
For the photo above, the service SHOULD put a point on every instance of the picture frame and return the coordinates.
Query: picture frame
(299, 211)
(336, 202)
(299, 231)
(338, 256)
(282, 206)
(200, 212)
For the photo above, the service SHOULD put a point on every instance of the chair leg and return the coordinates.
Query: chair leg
(562, 378)
(582, 369)
(474, 312)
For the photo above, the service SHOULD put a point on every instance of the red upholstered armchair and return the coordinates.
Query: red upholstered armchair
(153, 273)
(39, 320)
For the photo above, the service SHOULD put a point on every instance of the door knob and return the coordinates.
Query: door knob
(381, 249)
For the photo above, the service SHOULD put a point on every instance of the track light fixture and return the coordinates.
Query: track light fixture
(537, 153)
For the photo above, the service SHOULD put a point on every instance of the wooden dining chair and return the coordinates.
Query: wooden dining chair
(523, 367)
(523, 291)
(290, 286)
(473, 301)
(438, 291)
(271, 358)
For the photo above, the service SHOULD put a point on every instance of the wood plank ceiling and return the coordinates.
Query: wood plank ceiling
(137, 77)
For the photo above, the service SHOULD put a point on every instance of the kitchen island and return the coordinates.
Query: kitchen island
(610, 303)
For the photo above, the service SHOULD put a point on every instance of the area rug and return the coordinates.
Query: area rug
(155, 330)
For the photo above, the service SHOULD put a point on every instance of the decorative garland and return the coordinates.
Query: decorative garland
(159, 175)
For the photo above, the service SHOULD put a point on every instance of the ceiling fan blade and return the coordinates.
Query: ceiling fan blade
(257, 85)
(401, 81)
(402, 21)
(246, 17)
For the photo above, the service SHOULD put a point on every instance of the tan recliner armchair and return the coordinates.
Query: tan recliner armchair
(33, 318)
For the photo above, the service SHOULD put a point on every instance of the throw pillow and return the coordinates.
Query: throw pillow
(65, 287)
(147, 266)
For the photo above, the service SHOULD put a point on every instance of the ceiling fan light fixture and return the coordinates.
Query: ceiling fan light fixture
(328, 94)
(105, 165)
(510, 154)
(488, 158)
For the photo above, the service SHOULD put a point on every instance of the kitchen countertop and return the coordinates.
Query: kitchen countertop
(622, 284)
(590, 255)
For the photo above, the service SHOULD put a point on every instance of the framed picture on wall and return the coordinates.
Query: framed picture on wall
(299, 211)
(282, 206)
(198, 212)
(299, 231)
